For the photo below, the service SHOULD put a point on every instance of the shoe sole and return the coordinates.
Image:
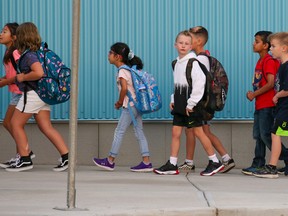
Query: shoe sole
(247, 173)
(61, 169)
(142, 170)
(227, 168)
(174, 172)
(4, 166)
(19, 169)
(213, 172)
(186, 170)
(270, 176)
(103, 167)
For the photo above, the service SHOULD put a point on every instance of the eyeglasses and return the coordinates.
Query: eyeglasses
(112, 52)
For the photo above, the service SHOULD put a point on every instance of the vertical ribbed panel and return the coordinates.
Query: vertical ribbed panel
(149, 27)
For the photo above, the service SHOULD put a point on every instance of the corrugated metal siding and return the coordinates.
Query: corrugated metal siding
(149, 27)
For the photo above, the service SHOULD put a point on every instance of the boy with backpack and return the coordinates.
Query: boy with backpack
(199, 36)
(183, 109)
(263, 85)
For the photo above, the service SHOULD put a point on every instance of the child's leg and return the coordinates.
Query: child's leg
(18, 122)
(275, 150)
(45, 126)
(123, 123)
(139, 133)
(205, 141)
(175, 143)
(190, 143)
(214, 140)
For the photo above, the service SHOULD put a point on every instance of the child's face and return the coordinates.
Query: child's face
(5, 37)
(276, 48)
(113, 57)
(183, 45)
(258, 45)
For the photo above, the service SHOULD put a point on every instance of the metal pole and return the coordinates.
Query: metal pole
(71, 193)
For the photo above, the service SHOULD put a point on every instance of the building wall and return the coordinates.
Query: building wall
(150, 28)
(94, 140)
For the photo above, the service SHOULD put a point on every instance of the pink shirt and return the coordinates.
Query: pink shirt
(125, 74)
(10, 72)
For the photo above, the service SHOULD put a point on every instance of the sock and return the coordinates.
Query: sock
(189, 162)
(64, 157)
(213, 158)
(146, 163)
(226, 157)
(173, 160)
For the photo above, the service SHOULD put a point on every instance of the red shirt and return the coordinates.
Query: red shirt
(265, 66)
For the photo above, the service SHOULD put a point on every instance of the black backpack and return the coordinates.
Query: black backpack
(216, 87)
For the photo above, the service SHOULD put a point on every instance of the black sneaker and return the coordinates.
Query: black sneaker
(62, 166)
(12, 161)
(186, 167)
(228, 165)
(212, 168)
(22, 164)
(167, 169)
(266, 172)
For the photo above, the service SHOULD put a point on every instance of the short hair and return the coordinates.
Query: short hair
(185, 33)
(281, 36)
(200, 31)
(264, 37)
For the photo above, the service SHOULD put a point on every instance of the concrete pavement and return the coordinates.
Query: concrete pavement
(39, 191)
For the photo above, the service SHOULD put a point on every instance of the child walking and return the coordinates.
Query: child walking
(120, 55)
(28, 38)
(263, 84)
(182, 104)
(199, 36)
(7, 38)
(279, 50)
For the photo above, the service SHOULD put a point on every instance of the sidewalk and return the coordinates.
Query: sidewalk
(121, 192)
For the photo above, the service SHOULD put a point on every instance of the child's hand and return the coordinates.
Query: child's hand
(20, 77)
(171, 106)
(250, 95)
(275, 99)
(2, 84)
(188, 111)
(118, 105)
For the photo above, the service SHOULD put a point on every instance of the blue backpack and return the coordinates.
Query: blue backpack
(148, 97)
(54, 86)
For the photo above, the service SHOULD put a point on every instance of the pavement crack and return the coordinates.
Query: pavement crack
(199, 189)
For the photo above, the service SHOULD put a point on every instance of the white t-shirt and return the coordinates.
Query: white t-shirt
(126, 74)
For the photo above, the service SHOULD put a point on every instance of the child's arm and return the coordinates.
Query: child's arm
(35, 74)
(122, 94)
(280, 94)
(269, 85)
(198, 87)
(4, 81)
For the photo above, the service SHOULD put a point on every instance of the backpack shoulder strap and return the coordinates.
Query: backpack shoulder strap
(174, 63)
(13, 62)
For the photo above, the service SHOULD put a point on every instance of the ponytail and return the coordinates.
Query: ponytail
(128, 57)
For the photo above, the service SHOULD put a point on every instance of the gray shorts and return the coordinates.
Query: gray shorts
(15, 99)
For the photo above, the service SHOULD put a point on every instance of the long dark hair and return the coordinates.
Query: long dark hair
(12, 28)
(124, 50)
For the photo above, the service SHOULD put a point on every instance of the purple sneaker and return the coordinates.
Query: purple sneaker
(104, 163)
(142, 167)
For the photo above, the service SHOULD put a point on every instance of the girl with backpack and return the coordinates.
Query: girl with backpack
(121, 55)
(7, 38)
(28, 38)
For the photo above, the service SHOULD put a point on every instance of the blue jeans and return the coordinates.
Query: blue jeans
(263, 123)
(123, 123)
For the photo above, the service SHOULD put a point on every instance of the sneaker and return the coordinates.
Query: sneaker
(250, 170)
(266, 172)
(10, 162)
(281, 171)
(186, 167)
(13, 160)
(142, 167)
(104, 163)
(62, 166)
(167, 169)
(212, 168)
(20, 165)
(228, 165)
(32, 155)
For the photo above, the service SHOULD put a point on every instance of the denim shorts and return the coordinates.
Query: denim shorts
(15, 99)
(280, 128)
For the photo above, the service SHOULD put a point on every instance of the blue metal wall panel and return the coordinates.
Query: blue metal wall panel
(150, 28)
